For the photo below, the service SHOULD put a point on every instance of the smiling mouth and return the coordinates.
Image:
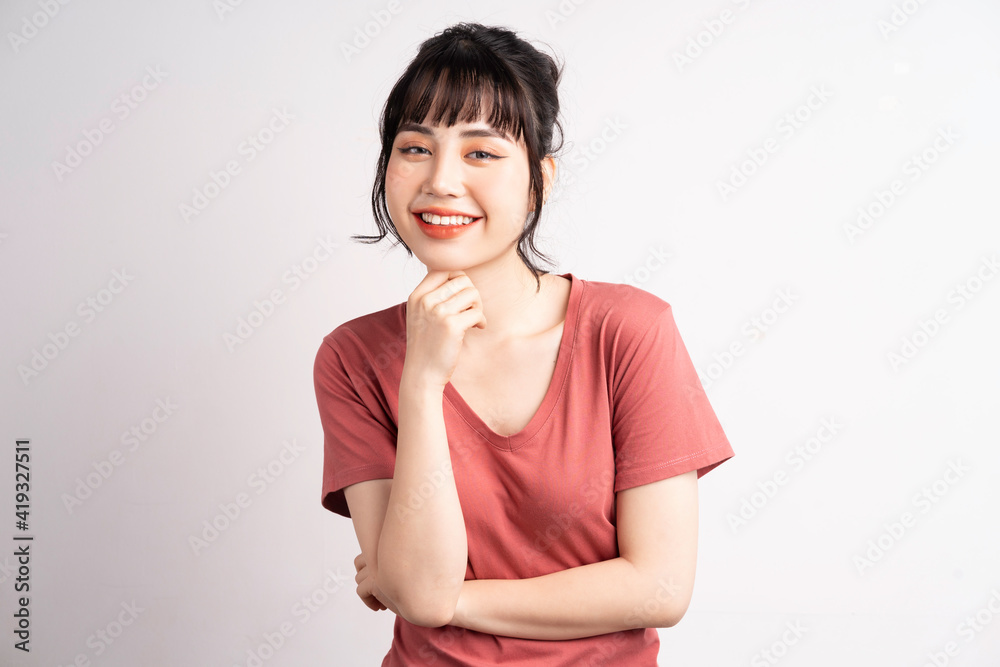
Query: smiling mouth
(445, 220)
(447, 227)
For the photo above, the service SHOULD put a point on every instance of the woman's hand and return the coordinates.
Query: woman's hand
(438, 313)
(368, 591)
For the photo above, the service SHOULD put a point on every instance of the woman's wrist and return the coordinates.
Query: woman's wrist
(413, 383)
(379, 595)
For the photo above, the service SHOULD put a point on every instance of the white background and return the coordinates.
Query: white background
(651, 184)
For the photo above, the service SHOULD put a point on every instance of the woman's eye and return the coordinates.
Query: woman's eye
(482, 156)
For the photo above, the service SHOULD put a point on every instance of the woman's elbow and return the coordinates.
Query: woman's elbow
(421, 605)
(672, 616)
(426, 610)
(654, 615)
(427, 614)
(665, 606)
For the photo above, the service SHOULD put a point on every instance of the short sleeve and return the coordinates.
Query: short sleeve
(359, 435)
(663, 424)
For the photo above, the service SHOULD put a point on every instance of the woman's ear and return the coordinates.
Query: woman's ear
(548, 180)
(548, 174)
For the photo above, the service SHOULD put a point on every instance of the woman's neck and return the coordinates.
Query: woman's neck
(513, 305)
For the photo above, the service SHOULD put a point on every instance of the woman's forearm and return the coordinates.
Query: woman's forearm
(594, 599)
(422, 551)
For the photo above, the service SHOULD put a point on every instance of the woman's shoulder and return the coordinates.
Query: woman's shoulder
(369, 331)
(621, 304)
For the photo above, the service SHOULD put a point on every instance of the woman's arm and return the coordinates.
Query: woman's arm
(422, 551)
(367, 502)
(648, 585)
(410, 528)
(417, 564)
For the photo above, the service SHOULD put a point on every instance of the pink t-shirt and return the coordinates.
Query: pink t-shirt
(624, 408)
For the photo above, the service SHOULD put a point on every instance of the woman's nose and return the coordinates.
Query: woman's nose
(445, 176)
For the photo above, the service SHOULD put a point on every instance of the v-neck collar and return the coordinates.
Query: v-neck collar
(552, 394)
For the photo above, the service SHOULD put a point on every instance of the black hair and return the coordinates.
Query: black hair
(466, 67)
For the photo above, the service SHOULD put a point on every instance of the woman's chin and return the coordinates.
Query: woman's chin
(442, 262)
(445, 266)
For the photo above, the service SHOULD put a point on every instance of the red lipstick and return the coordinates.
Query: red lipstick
(443, 231)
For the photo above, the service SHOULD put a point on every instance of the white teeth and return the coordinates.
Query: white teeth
(446, 220)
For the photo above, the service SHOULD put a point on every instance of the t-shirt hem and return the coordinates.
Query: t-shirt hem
(703, 461)
(333, 494)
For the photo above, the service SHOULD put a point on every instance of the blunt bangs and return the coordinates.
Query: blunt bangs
(468, 89)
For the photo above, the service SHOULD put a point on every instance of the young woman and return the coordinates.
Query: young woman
(518, 450)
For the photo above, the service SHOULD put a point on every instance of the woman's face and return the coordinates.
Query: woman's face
(468, 169)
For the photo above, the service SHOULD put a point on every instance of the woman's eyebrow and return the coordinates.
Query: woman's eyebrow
(465, 134)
